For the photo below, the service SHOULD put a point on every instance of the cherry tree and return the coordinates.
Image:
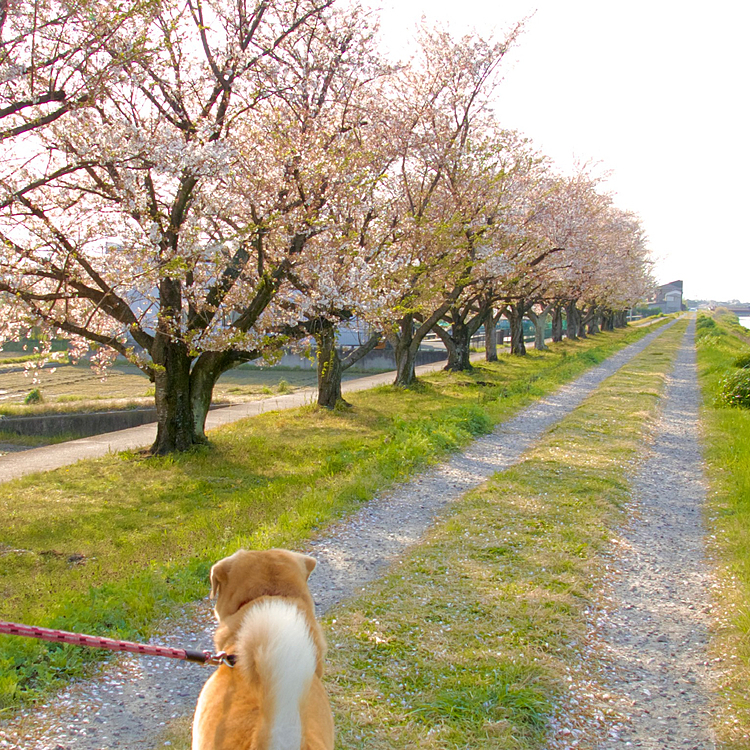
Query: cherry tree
(621, 276)
(206, 219)
(606, 262)
(491, 191)
(567, 221)
(572, 220)
(57, 56)
(443, 96)
(529, 252)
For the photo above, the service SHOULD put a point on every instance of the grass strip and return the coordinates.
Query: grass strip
(61, 357)
(721, 341)
(111, 546)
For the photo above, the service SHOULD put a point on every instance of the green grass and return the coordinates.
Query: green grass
(113, 545)
(61, 357)
(721, 340)
(73, 405)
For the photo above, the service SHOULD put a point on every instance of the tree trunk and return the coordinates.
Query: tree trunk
(206, 371)
(584, 324)
(459, 349)
(557, 323)
(593, 325)
(572, 317)
(492, 334)
(540, 324)
(405, 354)
(490, 337)
(174, 414)
(406, 340)
(515, 315)
(329, 368)
(449, 342)
(583, 319)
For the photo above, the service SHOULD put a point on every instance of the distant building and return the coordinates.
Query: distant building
(668, 297)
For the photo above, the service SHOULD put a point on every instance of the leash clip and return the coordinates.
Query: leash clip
(221, 658)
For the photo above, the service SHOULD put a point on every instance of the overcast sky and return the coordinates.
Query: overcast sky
(655, 91)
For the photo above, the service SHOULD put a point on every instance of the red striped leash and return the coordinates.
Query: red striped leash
(92, 641)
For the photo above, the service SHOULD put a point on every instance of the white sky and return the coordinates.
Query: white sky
(655, 91)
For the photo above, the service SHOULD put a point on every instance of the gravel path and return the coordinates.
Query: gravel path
(657, 637)
(650, 639)
(129, 703)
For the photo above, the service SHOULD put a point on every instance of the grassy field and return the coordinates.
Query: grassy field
(67, 387)
(727, 447)
(476, 638)
(111, 546)
(76, 388)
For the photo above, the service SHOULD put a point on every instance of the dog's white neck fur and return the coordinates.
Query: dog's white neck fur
(275, 637)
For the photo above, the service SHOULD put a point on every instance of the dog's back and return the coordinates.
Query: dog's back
(272, 699)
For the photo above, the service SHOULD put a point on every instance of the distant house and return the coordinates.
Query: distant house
(668, 297)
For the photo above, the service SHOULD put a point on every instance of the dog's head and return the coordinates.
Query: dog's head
(250, 574)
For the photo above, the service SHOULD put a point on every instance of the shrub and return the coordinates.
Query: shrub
(704, 323)
(283, 386)
(734, 390)
(743, 360)
(34, 397)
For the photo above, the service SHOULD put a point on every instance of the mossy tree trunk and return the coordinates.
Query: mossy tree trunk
(331, 366)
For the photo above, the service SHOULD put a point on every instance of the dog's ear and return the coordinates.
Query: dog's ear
(220, 576)
(306, 562)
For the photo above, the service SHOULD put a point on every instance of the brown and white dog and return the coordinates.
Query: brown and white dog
(273, 697)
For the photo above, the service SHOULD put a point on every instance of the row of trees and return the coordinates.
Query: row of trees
(196, 184)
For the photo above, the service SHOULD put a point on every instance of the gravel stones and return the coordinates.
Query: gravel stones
(646, 659)
(656, 639)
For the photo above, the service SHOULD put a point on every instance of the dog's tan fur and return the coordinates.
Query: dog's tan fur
(235, 709)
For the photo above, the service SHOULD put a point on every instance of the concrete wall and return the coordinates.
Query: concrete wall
(81, 425)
